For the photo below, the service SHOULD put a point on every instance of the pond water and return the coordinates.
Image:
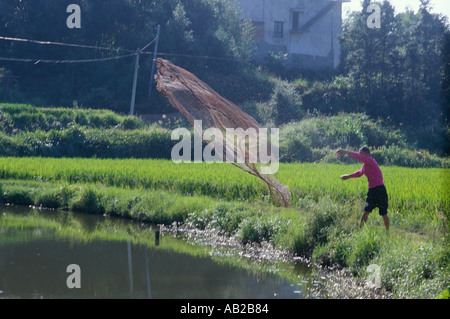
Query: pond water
(118, 258)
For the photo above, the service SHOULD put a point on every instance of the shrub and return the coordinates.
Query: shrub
(315, 138)
(227, 217)
(256, 229)
(294, 150)
(47, 198)
(65, 195)
(285, 105)
(317, 225)
(397, 156)
(19, 196)
(132, 123)
(366, 244)
(88, 201)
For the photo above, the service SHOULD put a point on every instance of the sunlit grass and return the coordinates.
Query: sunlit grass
(323, 216)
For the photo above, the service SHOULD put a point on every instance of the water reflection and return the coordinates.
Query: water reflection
(117, 259)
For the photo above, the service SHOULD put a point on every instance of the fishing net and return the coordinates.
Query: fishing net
(249, 147)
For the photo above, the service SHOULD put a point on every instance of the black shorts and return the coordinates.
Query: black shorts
(377, 197)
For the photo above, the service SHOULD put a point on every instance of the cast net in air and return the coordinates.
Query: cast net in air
(249, 148)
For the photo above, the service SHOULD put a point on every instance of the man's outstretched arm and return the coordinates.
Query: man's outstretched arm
(356, 156)
(353, 175)
(339, 153)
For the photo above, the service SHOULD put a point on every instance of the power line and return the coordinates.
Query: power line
(151, 42)
(191, 56)
(64, 44)
(132, 53)
(37, 61)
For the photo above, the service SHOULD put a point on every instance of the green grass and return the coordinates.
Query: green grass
(414, 193)
(323, 217)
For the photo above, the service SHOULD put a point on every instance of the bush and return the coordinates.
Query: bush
(330, 98)
(365, 245)
(397, 156)
(48, 198)
(88, 201)
(411, 270)
(18, 196)
(227, 217)
(317, 138)
(153, 142)
(132, 123)
(257, 229)
(285, 105)
(317, 226)
(77, 141)
(345, 129)
(294, 150)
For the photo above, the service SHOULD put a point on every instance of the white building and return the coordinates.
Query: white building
(305, 31)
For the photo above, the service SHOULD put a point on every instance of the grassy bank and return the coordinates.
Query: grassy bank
(322, 222)
(27, 130)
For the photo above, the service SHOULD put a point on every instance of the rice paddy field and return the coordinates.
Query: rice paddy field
(322, 222)
(420, 190)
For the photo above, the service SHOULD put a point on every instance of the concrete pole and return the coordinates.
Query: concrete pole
(133, 93)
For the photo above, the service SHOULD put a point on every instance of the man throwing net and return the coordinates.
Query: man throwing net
(377, 194)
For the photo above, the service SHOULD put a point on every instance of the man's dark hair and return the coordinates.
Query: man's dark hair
(365, 149)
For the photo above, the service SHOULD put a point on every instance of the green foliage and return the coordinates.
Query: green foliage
(444, 295)
(18, 196)
(29, 118)
(88, 201)
(410, 269)
(47, 199)
(395, 155)
(188, 28)
(395, 71)
(316, 227)
(284, 105)
(246, 223)
(257, 229)
(366, 245)
(352, 130)
(414, 260)
(316, 139)
(57, 132)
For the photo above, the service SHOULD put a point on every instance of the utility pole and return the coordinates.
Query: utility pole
(155, 53)
(133, 93)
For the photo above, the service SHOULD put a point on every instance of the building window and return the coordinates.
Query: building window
(259, 30)
(296, 17)
(278, 29)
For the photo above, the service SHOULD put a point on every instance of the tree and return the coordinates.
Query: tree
(370, 58)
(396, 70)
(188, 28)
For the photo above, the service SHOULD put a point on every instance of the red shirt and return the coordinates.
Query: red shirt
(370, 168)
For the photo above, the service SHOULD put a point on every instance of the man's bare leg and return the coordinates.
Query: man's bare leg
(386, 221)
(364, 218)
